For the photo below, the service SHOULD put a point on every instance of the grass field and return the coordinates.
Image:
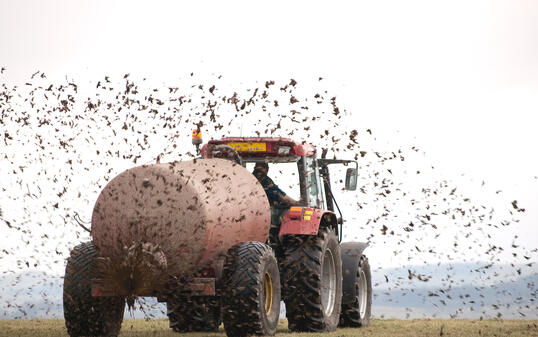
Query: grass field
(377, 328)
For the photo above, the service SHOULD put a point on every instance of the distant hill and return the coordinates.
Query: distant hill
(515, 300)
(463, 290)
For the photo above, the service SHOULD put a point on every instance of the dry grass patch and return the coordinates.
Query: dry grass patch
(378, 328)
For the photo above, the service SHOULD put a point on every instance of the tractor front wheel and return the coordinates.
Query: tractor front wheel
(357, 312)
(251, 290)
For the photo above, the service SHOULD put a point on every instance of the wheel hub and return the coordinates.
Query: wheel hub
(268, 289)
(328, 283)
(363, 293)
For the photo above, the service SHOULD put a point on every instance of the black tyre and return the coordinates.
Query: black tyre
(358, 311)
(194, 313)
(86, 315)
(251, 289)
(312, 272)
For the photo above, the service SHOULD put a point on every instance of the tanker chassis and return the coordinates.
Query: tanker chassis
(201, 236)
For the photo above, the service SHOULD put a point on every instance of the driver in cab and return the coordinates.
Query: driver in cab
(277, 197)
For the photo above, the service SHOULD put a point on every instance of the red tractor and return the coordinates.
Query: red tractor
(201, 236)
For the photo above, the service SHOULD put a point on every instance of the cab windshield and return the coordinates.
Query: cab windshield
(289, 176)
(285, 175)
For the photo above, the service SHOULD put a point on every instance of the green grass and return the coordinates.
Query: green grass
(377, 328)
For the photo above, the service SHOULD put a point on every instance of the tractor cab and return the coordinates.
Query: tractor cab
(293, 166)
(290, 164)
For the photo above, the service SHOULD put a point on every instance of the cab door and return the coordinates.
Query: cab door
(314, 187)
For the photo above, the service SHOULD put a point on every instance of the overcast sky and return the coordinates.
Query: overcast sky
(461, 75)
(457, 78)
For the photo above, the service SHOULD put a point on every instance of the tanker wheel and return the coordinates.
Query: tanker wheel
(188, 314)
(251, 288)
(312, 272)
(84, 314)
(357, 313)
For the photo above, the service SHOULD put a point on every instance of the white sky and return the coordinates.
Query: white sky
(461, 75)
(457, 78)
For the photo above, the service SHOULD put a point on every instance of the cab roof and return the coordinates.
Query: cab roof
(264, 146)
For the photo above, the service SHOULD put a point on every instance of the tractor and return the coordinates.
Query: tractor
(202, 236)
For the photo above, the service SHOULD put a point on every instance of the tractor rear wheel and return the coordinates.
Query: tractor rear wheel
(312, 272)
(194, 313)
(84, 314)
(251, 288)
(357, 313)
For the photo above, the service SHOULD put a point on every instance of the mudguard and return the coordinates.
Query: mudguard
(351, 253)
(305, 220)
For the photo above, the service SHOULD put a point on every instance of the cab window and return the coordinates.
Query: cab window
(313, 185)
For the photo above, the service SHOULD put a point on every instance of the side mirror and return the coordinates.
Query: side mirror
(351, 179)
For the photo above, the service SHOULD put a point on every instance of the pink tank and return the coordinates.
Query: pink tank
(193, 211)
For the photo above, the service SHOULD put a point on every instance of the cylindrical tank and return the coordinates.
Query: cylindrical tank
(193, 211)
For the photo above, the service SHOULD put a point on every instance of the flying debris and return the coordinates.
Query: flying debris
(63, 141)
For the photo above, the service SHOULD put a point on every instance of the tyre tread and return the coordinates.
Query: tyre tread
(242, 274)
(302, 282)
(350, 316)
(86, 315)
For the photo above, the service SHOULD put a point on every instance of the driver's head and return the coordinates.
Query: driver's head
(261, 168)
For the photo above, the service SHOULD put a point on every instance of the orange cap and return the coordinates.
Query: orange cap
(196, 134)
